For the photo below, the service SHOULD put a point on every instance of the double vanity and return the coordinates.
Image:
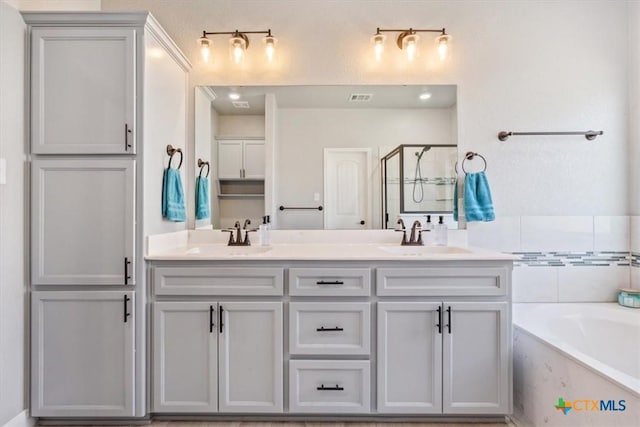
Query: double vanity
(310, 325)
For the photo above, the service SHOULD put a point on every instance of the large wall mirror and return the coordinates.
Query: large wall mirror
(311, 157)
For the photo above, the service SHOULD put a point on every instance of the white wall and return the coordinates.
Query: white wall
(634, 132)
(304, 133)
(525, 65)
(13, 214)
(240, 126)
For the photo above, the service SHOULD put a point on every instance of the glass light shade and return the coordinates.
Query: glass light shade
(442, 42)
(410, 46)
(237, 45)
(205, 48)
(378, 45)
(269, 47)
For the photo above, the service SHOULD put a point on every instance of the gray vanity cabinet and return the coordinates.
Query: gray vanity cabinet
(221, 356)
(83, 90)
(82, 354)
(82, 230)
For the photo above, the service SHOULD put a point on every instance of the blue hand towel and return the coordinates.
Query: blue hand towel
(173, 207)
(477, 198)
(202, 198)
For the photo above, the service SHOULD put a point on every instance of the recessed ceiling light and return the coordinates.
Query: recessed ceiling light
(424, 96)
(235, 96)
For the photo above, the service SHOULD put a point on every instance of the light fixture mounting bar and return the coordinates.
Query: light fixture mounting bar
(210, 33)
(404, 32)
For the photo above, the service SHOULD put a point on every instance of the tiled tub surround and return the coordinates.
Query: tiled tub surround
(553, 359)
(565, 258)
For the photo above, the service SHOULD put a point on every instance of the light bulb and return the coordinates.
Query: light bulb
(234, 96)
(238, 46)
(443, 46)
(410, 45)
(378, 45)
(424, 96)
(205, 48)
(269, 47)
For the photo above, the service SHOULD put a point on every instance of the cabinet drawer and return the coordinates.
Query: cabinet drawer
(329, 281)
(329, 386)
(329, 328)
(217, 281)
(482, 281)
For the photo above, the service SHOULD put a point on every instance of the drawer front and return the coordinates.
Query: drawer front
(329, 328)
(330, 281)
(329, 386)
(482, 281)
(217, 281)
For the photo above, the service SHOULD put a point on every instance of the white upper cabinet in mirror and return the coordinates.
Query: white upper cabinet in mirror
(322, 148)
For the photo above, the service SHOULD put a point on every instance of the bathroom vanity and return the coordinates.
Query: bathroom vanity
(330, 329)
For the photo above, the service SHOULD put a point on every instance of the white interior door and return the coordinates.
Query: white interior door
(347, 188)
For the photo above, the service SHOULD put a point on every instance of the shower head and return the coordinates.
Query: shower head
(424, 150)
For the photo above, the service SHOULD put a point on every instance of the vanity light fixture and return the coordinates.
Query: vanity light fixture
(238, 44)
(408, 41)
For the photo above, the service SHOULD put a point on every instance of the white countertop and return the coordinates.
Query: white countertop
(329, 246)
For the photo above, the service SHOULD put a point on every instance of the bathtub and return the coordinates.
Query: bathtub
(582, 353)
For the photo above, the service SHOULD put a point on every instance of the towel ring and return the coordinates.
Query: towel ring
(469, 156)
(171, 151)
(201, 165)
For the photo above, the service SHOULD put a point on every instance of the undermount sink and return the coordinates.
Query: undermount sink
(223, 250)
(424, 250)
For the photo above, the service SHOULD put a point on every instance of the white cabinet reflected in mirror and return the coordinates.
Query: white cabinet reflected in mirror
(310, 157)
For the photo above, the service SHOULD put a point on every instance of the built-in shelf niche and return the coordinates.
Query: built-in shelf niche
(232, 188)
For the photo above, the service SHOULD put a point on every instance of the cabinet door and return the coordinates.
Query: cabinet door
(82, 222)
(82, 354)
(229, 159)
(476, 358)
(254, 162)
(250, 368)
(185, 357)
(409, 358)
(82, 90)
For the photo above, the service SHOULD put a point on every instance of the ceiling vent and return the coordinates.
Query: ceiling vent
(360, 97)
(241, 104)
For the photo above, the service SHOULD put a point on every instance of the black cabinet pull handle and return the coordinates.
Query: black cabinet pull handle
(127, 132)
(220, 322)
(449, 318)
(323, 329)
(439, 324)
(126, 270)
(211, 314)
(329, 282)
(126, 309)
(336, 388)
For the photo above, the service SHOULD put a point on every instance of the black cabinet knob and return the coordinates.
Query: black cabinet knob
(362, 222)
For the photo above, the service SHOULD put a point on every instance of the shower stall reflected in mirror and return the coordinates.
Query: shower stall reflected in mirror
(418, 180)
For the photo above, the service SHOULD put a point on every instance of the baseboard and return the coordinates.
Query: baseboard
(21, 420)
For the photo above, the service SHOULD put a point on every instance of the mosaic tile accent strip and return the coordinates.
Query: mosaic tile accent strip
(635, 259)
(577, 259)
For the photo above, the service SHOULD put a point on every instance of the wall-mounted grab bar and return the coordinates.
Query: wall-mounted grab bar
(171, 152)
(590, 135)
(319, 208)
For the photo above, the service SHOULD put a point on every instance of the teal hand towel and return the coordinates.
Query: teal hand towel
(455, 200)
(202, 197)
(478, 205)
(173, 207)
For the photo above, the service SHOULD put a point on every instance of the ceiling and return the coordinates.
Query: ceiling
(382, 97)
